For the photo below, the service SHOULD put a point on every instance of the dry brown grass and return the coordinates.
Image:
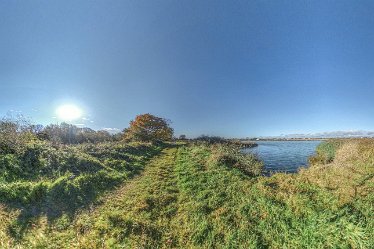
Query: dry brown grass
(350, 173)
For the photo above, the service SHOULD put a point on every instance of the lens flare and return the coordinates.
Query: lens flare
(69, 112)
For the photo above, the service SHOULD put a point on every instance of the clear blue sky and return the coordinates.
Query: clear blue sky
(231, 68)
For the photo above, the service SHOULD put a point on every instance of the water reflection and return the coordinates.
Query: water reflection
(284, 156)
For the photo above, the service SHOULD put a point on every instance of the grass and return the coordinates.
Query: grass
(45, 182)
(196, 196)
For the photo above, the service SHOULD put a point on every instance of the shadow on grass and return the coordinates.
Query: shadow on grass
(69, 194)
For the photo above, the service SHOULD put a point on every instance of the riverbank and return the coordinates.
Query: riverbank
(204, 196)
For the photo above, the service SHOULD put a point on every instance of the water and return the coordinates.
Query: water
(284, 156)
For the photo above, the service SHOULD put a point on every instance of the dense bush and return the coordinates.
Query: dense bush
(325, 152)
(231, 155)
(210, 139)
(71, 134)
(14, 135)
(10, 168)
(82, 189)
(68, 177)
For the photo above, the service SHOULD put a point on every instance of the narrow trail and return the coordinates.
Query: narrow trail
(142, 209)
(156, 178)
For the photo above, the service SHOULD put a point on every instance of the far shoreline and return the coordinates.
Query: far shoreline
(289, 139)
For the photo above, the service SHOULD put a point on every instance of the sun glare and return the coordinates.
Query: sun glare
(69, 112)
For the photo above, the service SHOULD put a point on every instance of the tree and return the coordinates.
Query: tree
(71, 134)
(15, 133)
(147, 127)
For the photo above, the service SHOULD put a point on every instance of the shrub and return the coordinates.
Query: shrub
(71, 134)
(14, 136)
(232, 156)
(10, 169)
(325, 152)
(24, 192)
(30, 162)
(80, 162)
(211, 139)
(81, 190)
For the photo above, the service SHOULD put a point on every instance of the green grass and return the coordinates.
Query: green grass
(48, 182)
(195, 196)
(325, 152)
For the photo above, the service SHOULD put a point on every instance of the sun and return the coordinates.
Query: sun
(69, 112)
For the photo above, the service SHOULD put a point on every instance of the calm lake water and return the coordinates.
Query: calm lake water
(284, 156)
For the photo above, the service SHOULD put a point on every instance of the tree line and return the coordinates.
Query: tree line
(14, 132)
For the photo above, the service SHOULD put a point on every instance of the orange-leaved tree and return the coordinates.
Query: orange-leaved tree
(147, 127)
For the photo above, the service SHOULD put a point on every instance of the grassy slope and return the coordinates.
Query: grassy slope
(59, 183)
(186, 198)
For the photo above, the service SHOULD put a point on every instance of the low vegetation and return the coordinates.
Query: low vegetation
(126, 194)
(51, 182)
